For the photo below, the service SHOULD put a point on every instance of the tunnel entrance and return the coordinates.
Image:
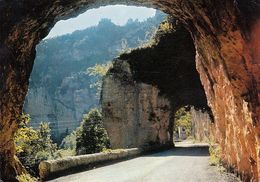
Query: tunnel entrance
(192, 124)
(227, 60)
(64, 91)
(144, 88)
(162, 77)
(61, 87)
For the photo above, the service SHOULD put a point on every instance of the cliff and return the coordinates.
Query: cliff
(134, 113)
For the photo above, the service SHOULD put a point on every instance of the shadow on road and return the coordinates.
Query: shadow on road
(184, 148)
(183, 151)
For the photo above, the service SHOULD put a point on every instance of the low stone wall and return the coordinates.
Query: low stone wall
(49, 168)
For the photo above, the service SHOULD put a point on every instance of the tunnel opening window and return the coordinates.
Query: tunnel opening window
(182, 124)
(193, 124)
(67, 69)
(66, 80)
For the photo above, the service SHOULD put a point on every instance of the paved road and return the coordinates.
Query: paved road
(186, 163)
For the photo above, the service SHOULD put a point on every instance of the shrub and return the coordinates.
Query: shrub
(214, 151)
(33, 146)
(92, 136)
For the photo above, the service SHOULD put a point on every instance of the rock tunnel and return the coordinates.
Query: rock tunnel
(226, 39)
(145, 87)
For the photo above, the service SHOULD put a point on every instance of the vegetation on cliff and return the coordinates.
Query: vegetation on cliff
(98, 72)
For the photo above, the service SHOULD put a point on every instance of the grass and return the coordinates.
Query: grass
(26, 178)
(214, 151)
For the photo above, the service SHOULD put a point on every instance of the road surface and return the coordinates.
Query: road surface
(186, 163)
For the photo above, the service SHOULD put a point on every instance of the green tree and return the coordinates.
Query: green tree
(183, 119)
(45, 142)
(33, 146)
(92, 136)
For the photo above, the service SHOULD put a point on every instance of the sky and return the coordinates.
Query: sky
(119, 14)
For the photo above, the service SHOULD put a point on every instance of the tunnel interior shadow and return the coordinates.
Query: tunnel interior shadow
(183, 151)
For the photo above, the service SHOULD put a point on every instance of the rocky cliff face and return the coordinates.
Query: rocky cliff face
(202, 125)
(135, 115)
(64, 108)
(225, 35)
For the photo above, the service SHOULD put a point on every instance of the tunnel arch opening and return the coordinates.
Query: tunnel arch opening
(216, 34)
(53, 78)
(144, 87)
(62, 62)
(193, 124)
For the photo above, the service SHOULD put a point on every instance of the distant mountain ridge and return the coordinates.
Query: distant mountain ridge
(59, 90)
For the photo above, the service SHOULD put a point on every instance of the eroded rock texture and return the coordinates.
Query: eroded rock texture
(202, 125)
(144, 88)
(225, 33)
(134, 113)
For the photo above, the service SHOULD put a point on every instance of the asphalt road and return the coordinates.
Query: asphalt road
(186, 163)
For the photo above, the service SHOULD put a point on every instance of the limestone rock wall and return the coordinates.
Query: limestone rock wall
(135, 115)
(64, 108)
(202, 125)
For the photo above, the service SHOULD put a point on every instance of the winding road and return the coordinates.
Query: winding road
(186, 163)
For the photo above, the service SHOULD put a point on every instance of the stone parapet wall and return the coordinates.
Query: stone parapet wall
(51, 167)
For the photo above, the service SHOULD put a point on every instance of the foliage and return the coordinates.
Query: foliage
(214, 151)
(69, 142)
(26, 178)
(33, 146)
(25, 135)
(183, 119)
(166, 27)
(98, 71)
(92, 136)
